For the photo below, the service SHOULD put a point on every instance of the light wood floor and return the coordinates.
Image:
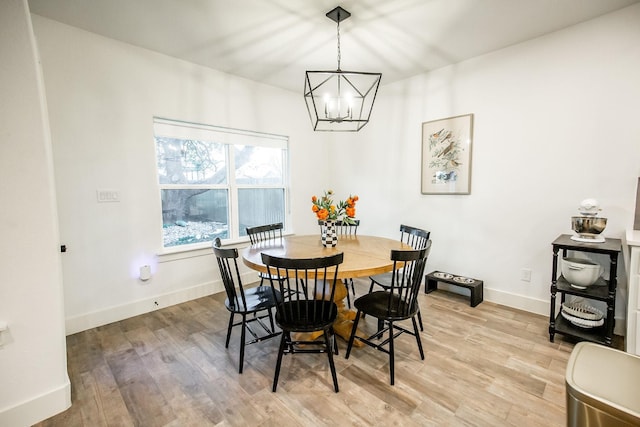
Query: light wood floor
(484, 366)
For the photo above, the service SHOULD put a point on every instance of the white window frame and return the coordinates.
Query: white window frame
(229, 137)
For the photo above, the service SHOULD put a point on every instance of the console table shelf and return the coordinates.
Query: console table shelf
(602, 290)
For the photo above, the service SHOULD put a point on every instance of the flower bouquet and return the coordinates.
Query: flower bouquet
(329, 212)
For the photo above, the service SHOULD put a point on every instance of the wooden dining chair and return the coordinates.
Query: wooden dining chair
(396, 303)
(252, 304)
(415, 237)
(308, 310)
(346, 229)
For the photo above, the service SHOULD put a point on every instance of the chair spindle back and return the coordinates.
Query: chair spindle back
(299, 301)
(417, 238)
(265, 232)
(408, 268)
(344, 228)
(228, 264)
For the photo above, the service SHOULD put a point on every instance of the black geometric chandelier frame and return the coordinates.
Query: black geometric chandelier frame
(340, 101)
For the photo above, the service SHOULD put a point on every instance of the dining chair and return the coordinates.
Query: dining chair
(415, 237)
(394, 304)
(262, 233)
(346, 229)
(309, 310)
(252, 304)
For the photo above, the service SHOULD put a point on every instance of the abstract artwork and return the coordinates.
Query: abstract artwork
(446, 155)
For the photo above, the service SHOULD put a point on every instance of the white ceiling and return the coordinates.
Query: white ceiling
(275, 41)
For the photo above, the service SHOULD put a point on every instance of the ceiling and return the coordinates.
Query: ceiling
(276, 41)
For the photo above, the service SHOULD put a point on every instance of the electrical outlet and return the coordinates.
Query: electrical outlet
(525, 274)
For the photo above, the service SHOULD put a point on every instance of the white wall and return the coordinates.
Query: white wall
(33, 377)
(556, 121)
(102, 96)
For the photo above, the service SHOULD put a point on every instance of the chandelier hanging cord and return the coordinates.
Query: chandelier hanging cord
(338, 15)
(339, 43)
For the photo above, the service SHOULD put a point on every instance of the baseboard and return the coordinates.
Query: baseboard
(38, 409)
(520, 302)
(112, 314)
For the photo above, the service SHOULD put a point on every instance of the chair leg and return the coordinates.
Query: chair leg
(229, 330)
(348, 282)
(353, 334)
(415, 330)
(242, 341)
(279, 362)
(420, 319)
(346, 285)
(273, 326)
(380, 328)
(391, 355)
(332, 366)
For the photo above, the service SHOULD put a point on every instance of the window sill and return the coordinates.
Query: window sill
(178, 253)
(199, 249)
(192, 251)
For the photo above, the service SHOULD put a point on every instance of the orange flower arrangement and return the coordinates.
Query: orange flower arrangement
(325, 209)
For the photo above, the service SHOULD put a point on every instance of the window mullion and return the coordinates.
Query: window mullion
(234, 218)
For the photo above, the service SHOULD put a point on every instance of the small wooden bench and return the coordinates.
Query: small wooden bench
(474, 285)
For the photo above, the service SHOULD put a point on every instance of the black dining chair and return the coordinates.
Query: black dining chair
(252, 304)
(346, 229)
(396, 303)
(415, 237)
(309, 309)
(262, 233)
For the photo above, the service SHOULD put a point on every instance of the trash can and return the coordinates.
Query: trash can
(603, 387)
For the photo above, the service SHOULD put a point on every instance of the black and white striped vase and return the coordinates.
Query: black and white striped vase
(329, 234)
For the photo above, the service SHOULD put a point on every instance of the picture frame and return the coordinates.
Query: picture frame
(446, 155)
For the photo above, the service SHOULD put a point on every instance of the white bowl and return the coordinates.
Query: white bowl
(580, 273)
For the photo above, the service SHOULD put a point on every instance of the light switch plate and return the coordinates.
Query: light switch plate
(108, 196)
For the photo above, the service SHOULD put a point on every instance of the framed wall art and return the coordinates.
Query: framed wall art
(446, 155)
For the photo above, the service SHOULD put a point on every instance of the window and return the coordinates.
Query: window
(215, 182)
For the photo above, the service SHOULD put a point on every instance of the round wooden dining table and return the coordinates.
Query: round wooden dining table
(363, 256)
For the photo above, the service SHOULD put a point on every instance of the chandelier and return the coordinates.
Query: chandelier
(340, 100)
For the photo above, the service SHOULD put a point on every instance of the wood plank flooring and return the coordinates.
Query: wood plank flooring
(484, 366)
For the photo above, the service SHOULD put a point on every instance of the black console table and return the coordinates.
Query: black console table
(602, 290)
